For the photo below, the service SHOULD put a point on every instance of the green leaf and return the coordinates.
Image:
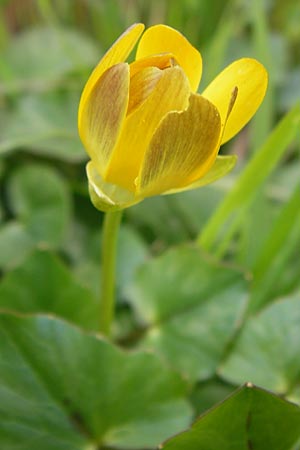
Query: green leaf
(157, 219)
(44, 124)
(190, 307)
(39, 57)
(259, 168)
(44, 284)
(62, 389)
(250, 419)
(40, 199)
(267, 350)
(294, 394)
(15, 244)
(208, 393)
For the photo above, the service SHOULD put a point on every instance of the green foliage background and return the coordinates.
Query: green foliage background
(208, 281)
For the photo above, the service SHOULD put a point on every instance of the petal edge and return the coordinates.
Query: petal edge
(221, 167)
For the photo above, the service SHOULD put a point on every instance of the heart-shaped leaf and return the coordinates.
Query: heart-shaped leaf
(62, 389)
(267, 350)
(38, 57)
(43, 284)
(251, 419)
(44, 124)
(190, 307)
(41, 200)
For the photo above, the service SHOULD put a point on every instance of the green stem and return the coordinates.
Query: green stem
(111, 226)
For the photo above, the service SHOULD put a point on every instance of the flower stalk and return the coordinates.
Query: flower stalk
(110, 233)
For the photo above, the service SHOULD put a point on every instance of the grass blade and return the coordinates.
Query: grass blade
(260, 167)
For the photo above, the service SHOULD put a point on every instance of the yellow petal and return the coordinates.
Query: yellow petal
(103, 114)
(142, 84)
(183, 148)
(117, 53)
(220, 168)
(171, 93)
(106, 196)
(251, 80)
(164, 39)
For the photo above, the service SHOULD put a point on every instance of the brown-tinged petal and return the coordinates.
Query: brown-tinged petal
(103, 114)
(142, 84)
(183, 148)
(117, 53)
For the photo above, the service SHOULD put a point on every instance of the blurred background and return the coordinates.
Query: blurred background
(47, 50)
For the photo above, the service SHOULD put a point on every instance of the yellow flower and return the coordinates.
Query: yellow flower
(146, 129)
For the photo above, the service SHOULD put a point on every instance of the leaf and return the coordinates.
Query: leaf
(62, 389)
(43, 284)
(250, 419)
(44, 124)
(190, 308)
(267, 350)
(208, 393)
(38, 57)
(40, 199)
(15, 244)
(155, 217)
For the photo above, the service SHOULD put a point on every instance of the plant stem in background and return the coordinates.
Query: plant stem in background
(111, 226)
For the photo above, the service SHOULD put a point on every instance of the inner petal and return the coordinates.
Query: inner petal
(144, 74)
(141, 85)
(162, 38)
(161, 61)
